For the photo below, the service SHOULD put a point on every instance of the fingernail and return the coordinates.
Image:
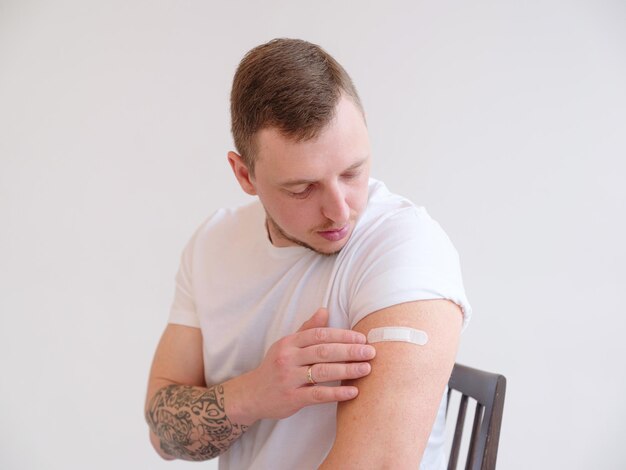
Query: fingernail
(363, 368)
(351, 392)
(359, 339)
(368, 352)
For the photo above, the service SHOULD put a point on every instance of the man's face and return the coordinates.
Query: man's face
(314, 191)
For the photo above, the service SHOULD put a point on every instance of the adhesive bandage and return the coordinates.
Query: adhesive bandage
(397, 333)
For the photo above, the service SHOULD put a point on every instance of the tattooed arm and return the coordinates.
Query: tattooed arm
(187, 420)
(191, 422)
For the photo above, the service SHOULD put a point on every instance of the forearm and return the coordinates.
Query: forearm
(191, 423)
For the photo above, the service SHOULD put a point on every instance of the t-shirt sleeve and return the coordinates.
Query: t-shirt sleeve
(406, 257)
(183, 310)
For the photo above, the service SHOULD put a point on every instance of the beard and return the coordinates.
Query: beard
(278, 229)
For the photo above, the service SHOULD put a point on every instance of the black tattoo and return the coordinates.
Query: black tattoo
(191, 422)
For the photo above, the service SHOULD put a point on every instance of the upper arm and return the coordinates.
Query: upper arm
(178, 359)
(389, 422)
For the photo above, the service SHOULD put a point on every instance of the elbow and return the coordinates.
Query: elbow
(154, 439)
(156, 444)
(161, 446)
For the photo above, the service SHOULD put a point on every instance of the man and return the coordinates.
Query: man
(243, 370)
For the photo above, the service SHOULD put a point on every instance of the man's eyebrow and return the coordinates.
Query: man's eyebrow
(298, 182)
(356, 165)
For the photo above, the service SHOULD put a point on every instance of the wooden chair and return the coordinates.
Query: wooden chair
(488, 390)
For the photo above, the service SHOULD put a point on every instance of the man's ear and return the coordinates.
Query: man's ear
(242, 173)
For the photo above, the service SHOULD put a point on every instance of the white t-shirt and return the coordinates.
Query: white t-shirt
(245, 294)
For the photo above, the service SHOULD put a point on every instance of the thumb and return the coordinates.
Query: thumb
(319, 319)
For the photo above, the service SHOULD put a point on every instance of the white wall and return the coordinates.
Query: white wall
(507, 120)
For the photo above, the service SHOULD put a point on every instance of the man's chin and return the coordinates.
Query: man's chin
(325, 249)
(322, 246)
(330, 252)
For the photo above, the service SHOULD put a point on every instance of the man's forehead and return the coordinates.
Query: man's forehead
(342, 144)
(297, 165)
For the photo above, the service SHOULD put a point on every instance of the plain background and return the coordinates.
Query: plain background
(506, 120)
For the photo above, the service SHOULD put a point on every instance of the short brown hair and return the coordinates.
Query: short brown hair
(289, 84)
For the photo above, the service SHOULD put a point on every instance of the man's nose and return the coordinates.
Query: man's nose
(335, 206)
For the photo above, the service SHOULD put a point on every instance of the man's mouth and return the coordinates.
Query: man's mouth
(334, 235)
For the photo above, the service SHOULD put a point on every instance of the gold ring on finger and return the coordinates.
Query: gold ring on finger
(309, 376)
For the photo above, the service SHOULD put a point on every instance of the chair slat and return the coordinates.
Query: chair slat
(473, 445)
(458, 434)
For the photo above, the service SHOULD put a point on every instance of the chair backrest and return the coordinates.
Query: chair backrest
(488, 390)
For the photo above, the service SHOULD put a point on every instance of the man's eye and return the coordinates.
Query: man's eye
(350, 175)
(301, 194)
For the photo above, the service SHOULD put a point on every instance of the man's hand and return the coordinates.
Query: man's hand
(278, 387)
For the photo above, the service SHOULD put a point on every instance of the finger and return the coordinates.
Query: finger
(326, 372)
(319, 335)
(318, 319)
(322, 394)
(320, 353)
